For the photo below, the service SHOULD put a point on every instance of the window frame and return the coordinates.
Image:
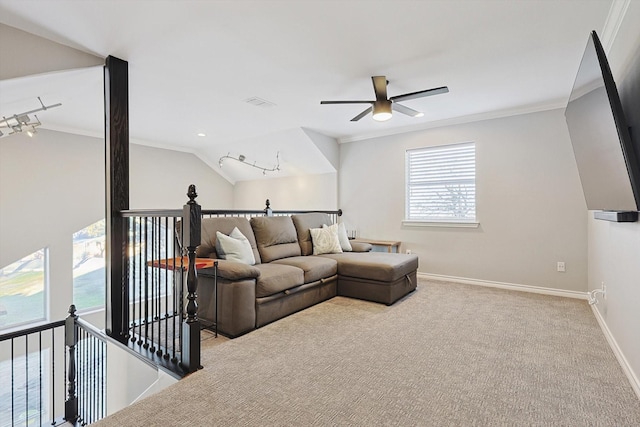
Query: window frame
(45, 297)
(439, 221)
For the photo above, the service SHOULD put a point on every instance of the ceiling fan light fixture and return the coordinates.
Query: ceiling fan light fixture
(382, 106)
(381, 110)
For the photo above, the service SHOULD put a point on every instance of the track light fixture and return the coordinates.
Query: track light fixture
(242, 159)
(21, 122)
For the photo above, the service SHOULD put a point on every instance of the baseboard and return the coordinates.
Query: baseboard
(628, 371)
(510, 286)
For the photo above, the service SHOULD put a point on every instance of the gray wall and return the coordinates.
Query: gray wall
(529, 202)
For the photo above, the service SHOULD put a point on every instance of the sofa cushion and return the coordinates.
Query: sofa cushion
(225, 225)
(315, 268)
(275, 237)
(276, 278)
(380, 266)
(234, 247)
(325, 241)
(303, 223)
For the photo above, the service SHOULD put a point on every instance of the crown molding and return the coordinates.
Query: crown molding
(458, 120)
(614, 21)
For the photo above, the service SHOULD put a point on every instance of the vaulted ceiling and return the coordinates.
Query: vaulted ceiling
(194, 64)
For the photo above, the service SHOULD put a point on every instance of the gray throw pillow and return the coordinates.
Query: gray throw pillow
(234, 247)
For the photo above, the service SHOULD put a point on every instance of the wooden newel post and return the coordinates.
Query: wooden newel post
(191, 218)
(71, 339)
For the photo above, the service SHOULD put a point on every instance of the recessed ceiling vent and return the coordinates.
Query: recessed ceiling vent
(259, 102)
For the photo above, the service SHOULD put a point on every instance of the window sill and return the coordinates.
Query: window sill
(449, 224)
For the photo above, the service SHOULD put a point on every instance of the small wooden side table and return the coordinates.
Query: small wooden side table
(175, 263)
(389, 244)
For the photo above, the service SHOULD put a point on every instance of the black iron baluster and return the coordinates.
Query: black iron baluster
(85, 376)
(159, 285)
(175, 293)
(166, 289)
(53, 376)
(86, 351)
(80, 354)
(78, 370)
(103, 385)
(215, 293)
(139, 284)
(64, 367)
(40, 375)
(26, 372)
(13, 387)
(153, 284)
(93, 380)
(131, 248)
(146, 285)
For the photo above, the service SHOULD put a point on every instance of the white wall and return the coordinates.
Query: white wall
(529, 202)
(159, 179)
(129, 378)
(52, 185)
(305, 192)
(614, 249)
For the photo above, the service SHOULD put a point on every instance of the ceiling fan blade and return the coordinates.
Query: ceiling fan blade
(420, 94)
(346, 102)
(380, 87)
(406, 110)
(361, 115)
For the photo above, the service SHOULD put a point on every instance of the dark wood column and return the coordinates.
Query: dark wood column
(116, 110)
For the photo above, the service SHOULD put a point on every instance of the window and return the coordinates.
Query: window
(89, 274)
(23, 290)
(441, 184)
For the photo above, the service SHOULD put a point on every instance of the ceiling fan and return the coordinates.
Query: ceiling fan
(382, 106)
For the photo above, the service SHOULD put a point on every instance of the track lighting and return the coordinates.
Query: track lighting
(241, 158)
(22, 122)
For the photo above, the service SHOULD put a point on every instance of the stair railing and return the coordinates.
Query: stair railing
(55, 372)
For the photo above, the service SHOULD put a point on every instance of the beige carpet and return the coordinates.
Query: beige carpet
(448, 354)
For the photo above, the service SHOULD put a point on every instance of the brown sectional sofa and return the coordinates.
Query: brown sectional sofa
(287, 277)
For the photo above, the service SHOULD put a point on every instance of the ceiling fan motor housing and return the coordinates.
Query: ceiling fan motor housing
(382, 110)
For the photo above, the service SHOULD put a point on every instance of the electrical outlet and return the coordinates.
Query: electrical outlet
(408, 251)
(561, 267)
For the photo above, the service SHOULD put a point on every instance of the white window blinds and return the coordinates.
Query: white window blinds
(441, 183)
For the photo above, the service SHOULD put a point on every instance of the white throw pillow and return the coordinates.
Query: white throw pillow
(342, 236)
(325, 241)
(234, 247)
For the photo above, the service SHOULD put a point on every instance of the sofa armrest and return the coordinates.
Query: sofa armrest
(232, 270)
(360, 246)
